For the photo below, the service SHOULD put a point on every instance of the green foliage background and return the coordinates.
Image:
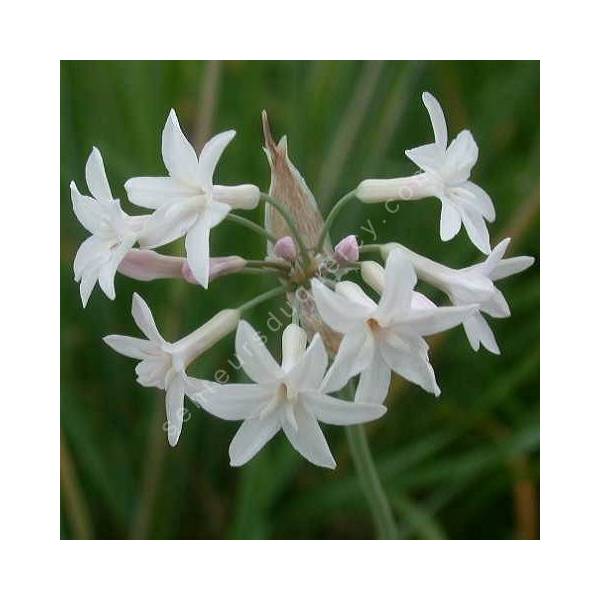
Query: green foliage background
(464, 466)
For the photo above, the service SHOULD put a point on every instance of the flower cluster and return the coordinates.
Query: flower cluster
(339, 330)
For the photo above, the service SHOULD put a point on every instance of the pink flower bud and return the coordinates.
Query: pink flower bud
(285, 248)
(347, 250)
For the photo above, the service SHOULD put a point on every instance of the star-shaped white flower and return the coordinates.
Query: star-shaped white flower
(446, 173)
(113, 231)
(448, 169)
(384, 337)
(284, 397)
(163, 364)
(186, 202)
(472, 285)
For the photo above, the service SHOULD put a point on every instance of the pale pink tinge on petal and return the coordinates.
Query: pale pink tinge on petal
(219, 266)
(347, 250)
(147, 265)
(285, 248)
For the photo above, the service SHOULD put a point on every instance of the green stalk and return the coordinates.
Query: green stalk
(278, 291)
(370, 483)
(333, 213)
(283, 211)
(268, 264)
(250, 225)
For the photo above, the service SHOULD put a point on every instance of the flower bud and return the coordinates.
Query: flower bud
(285, 248)
(289, 188)
(347, 250)
(372, 274)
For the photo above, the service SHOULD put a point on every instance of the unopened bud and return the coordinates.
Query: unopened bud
(285, 248)
(372, 274)
(347, 250)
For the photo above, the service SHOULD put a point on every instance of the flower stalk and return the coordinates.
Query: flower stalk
(332, 216)
(371, 485)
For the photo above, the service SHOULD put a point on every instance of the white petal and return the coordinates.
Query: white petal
(428, 321)
(178, 154)
(130, 346)
(143, 318)
(429, 157)
(152, 371)
(374, 382)
(419, 301)
(340, 313)
(354, 355)
(106, 277)
(341, 412)
(308, 439)
(92, 253)
(236, 401)
(88, 281)
(436, 114)
(412, 364)
(494, 258)
(198, 251)
(478, 331)
(254, 357)
(450, 221)
(174, 406)
(310, 370)
(251, 437)
(497, 306)
(481, 200)
(87, 210)
(476, 228)
(237, 196)
(399, 280)
(153, 192)
(216, 212)
(95, 176)
(168, 223)
(355, 293)
(293, 346)
(511, 266)
(461, 156)
(211, 153)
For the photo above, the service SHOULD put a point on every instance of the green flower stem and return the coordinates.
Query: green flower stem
(268, 264)
(370, 482)
(333, 213)
(283, 211)
(250, 225)
(278, 291)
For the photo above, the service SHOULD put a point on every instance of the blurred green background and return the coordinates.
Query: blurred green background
(462, 467)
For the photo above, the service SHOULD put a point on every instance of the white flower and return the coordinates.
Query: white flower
(163, 364)
(446, 173)
(284, 397)
(113, 231)
(472, 285)
(384, 337)
(186, 202)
